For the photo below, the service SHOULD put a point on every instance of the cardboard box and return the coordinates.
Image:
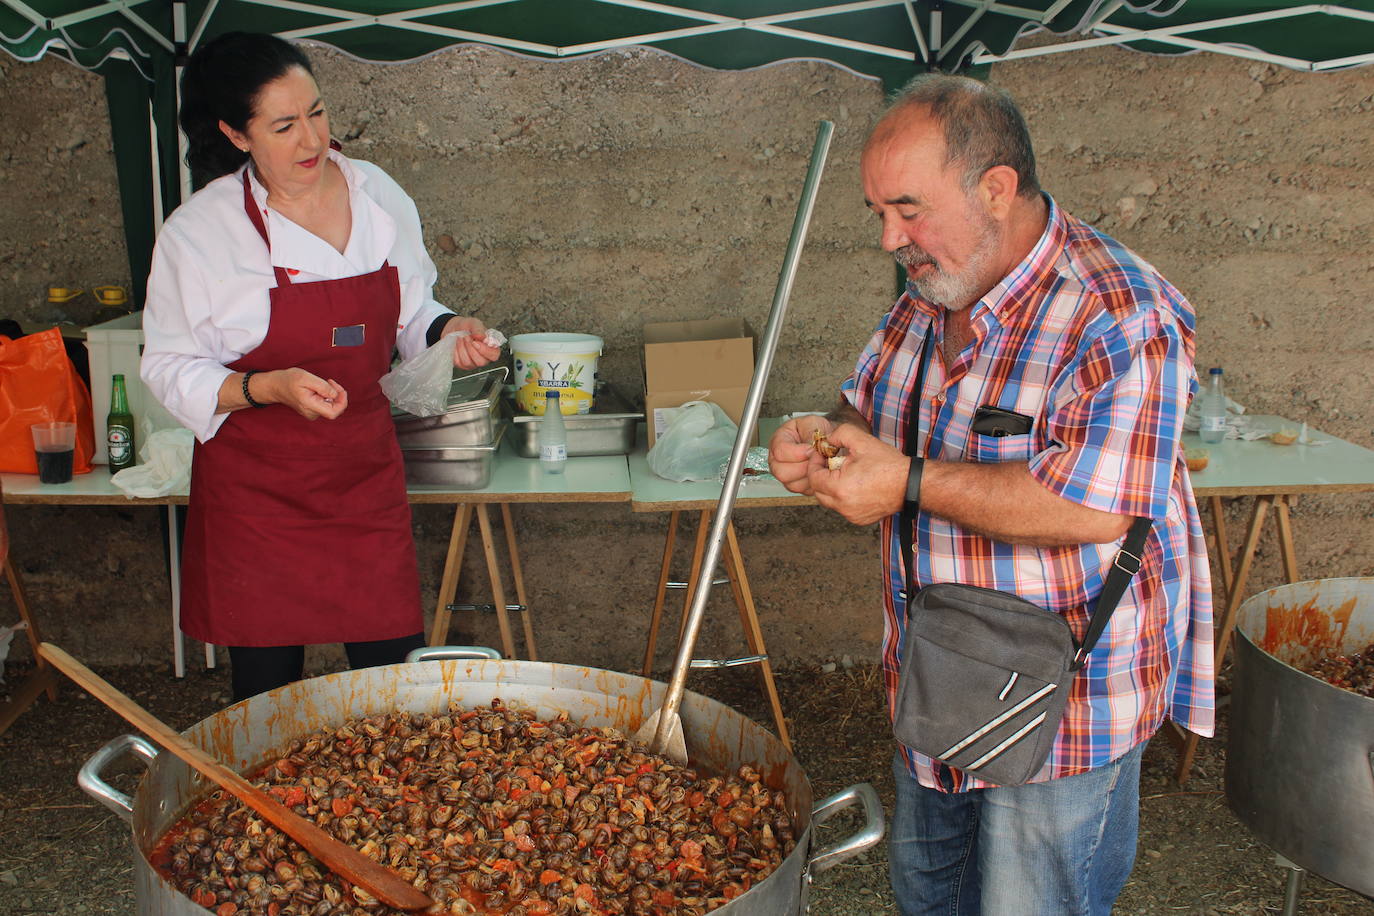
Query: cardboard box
(117, 346)
(707, 360)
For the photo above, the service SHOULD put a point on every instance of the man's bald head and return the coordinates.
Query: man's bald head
(981, 124)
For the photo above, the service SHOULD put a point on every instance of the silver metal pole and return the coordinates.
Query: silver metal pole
(748, 423)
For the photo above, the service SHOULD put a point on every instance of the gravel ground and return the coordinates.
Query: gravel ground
(60, 852)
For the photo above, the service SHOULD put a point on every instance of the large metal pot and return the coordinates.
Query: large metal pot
(718, 739)
(1299, 758)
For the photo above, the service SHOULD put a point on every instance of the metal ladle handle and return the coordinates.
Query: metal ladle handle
(748, 422)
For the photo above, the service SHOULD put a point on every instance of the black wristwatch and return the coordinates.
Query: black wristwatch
(912, 502)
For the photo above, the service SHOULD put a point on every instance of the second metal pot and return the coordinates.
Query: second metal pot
(1300, 757)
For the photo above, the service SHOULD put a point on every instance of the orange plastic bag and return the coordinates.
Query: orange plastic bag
(38, 384)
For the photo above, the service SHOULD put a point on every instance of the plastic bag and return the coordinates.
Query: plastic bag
(698, 438)
(420, 385)
(164, 465)
(39, 384)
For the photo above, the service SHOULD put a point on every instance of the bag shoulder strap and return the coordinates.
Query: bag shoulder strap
(910, 446)
(1125, 565)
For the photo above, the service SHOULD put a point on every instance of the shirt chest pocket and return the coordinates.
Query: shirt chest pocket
(998, 435)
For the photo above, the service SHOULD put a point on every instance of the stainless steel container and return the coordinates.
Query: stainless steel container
(588, 434)
(461, 468)
(1300, 752)
(474, 403)
(245, 734)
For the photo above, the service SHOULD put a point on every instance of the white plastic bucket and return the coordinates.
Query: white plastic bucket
(565, 363)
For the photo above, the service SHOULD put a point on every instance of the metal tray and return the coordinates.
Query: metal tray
(608, 430)
(462, 468)
(474, 403)
(588, 434)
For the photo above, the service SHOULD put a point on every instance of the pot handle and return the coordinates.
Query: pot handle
(93, 784)
(872, 831)
(439, 653)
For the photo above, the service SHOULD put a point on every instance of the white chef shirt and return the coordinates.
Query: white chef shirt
(211, 276)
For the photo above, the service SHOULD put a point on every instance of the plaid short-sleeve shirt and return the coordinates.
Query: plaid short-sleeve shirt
(1096, 347)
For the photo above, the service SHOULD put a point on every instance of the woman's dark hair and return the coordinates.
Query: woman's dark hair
(221, 82)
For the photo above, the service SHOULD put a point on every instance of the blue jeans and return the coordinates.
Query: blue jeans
(1058, 848)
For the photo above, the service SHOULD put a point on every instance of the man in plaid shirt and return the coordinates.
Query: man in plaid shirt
(1085, 355)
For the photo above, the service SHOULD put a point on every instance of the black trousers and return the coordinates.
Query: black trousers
(257, 669)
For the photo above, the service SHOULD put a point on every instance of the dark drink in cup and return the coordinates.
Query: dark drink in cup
(55, 467)
(54, 445)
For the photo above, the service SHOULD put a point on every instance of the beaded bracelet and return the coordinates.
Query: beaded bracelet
(246, 396)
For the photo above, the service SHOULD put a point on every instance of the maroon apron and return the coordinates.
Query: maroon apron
(299, 530)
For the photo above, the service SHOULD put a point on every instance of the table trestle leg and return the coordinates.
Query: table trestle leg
(519, 576)
(753, 633)
(498, 590)
(738, 580)
(44, 678)
(660, 596)
(453, 567)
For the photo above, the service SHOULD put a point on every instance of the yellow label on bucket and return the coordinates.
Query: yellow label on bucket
(565, 363)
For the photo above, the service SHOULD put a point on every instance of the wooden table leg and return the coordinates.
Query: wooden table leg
(498, 590)
(753, 633)
(698, 553)
(453, 567)
(44, 678)
(665, 570)
(1223, 543)
(1233, 598)
(1286, 549)
(518, 574)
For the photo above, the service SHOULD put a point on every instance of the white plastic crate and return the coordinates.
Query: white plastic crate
(116, 346)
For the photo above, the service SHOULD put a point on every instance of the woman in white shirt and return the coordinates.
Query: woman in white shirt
(276, 296)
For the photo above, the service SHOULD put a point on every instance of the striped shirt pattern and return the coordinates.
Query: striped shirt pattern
(1096, 347)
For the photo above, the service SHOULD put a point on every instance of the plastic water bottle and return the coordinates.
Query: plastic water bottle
(1212, 409)
(553, 436)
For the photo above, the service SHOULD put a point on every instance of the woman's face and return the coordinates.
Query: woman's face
(288, 134)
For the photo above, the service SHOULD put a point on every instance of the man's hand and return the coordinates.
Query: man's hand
(792, 453)
(869, 486)
(471, 350)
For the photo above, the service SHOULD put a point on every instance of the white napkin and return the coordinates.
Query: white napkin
(165, 466)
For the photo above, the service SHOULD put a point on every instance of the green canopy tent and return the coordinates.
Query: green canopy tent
(136, 45)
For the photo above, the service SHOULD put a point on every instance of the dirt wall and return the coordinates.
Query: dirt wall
(597, 195)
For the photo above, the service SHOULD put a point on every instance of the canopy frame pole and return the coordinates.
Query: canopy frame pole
(111, 6)
(199, 33)
(963, 29)
(1174, 35)
(917, 31)
(28, 12)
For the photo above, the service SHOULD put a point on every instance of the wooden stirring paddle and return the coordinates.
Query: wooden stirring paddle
(345, 861)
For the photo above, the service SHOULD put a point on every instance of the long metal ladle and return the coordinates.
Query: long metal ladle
(345, 861)
(662, 731)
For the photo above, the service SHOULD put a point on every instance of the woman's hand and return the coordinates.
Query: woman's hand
(307, 394)
(471, 350)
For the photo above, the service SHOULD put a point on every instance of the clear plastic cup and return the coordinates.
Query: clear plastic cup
(54, 445)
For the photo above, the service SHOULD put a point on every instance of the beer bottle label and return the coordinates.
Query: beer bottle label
(121, 445)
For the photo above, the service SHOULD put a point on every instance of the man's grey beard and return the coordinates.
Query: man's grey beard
(955, 292)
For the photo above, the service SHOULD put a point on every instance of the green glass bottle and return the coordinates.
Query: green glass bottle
(119, 428)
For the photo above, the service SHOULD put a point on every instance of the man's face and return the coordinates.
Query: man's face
(946, 239)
